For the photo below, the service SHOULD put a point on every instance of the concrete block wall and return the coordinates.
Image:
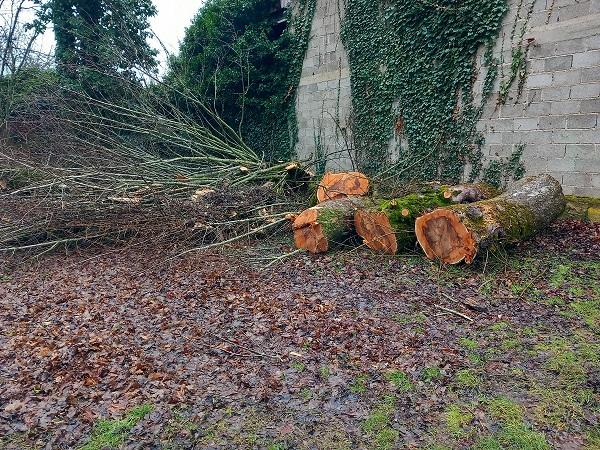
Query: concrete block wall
(323, 102)
(557, 114)
(556, 117)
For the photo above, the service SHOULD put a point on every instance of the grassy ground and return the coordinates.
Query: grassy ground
(343, 351)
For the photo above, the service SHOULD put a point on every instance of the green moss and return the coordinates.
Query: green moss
(378, 424)
(400, 380)
(458, 417)
(499, 326)
(359, 384)
(467, 343)
(505, 411)
(467, 378)
(112, 433)
(430, 374)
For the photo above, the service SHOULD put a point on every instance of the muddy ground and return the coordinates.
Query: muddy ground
(121, 349)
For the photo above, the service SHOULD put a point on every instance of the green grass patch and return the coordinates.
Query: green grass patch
(514, 433)
(457, 419)
(324, 372)
(431, 374)
(378, 424)
(399, 379)
(499, 326)
(111, 433)
(467, 378)
(467, 343)
(559, 275)
(359, 384)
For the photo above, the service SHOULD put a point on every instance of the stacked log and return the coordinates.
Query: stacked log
(450, 222)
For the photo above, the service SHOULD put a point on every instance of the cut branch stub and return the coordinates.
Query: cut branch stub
(456, 233)
(344, 184)
(387, 225)
(317, 228)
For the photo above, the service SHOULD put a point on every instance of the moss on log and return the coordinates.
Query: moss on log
(457, 232)
(329, 222)
(386, 225)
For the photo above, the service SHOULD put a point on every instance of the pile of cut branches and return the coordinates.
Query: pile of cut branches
(144, 168)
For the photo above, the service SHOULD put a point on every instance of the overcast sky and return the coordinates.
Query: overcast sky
(169, 24)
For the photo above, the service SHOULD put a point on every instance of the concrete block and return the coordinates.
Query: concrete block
(558, 63)
(571, 46)
(537, 80)
(501, 125)
(552, 122)
(500, 151)
(523, 124)
(584, 191)
(592, 42)
(595, 182)
(587, 59)
(534, 95)
(537, 109)
(566, 77)
(536, 65)
(575, 10)
(590, 106)
(493, 138)
(566, 107)
(590, 74)
(579, 150)
(576, 136)
(587, 164)
(556, 93)
(511, 110)
(536, 165)
(586, 90)
(545, 151)
(582, 121)
(576, 179)
(542, 50)
(561, 165)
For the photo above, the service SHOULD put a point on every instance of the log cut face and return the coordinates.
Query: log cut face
(344, 184)
(456, 233)
(387, 225)
(330, 222)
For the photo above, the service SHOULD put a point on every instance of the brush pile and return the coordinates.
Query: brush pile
(145, 169)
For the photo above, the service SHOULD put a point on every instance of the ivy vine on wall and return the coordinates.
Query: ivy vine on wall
(412, 73)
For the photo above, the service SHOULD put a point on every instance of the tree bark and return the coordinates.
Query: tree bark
(456, 233)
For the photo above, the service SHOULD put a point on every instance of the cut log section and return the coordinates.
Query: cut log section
(317, 228)
(387, 225)
(456, 233)
(344, 184)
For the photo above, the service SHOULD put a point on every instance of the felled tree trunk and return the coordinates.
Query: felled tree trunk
(383, 224)
(343, 184)
(458, 232)
(316, 228)
(386, 225)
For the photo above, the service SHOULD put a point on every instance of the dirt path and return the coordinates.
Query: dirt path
(349, 350)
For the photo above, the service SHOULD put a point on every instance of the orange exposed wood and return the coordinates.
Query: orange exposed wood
(375, 229)
(308, 233)
(443, 236)
(344, 184)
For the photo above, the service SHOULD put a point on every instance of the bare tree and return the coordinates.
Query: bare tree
(18, 38)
